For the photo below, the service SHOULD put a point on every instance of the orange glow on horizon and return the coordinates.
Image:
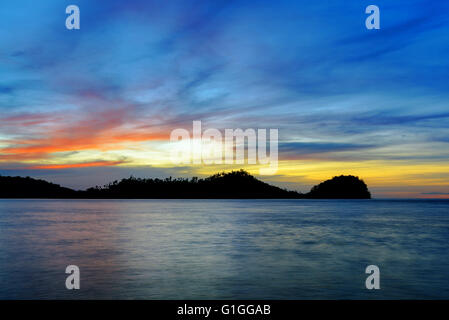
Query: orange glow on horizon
(77, 165)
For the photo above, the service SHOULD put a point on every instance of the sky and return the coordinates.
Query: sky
(89, 106)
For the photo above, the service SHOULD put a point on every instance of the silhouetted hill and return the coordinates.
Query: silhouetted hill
(342, 187)
(19, 187)
(233, 185)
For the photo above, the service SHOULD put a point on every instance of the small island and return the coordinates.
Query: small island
(342, 187)
(232, 185)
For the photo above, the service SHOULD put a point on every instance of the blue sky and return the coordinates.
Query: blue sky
(345, 99)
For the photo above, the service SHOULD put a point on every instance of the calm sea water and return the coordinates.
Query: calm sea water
(224, 249)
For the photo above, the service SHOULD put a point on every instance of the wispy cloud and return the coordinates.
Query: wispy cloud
(435, 193)
(138, 69)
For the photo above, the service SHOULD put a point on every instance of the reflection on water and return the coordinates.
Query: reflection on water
(224, 249)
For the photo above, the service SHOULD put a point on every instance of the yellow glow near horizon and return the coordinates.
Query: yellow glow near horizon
(384, 177)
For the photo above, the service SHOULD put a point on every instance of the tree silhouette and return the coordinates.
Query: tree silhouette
(232, 185)
(235, 184)
(19, 187)
(342, 187)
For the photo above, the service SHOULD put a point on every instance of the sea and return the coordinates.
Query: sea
(224, 249)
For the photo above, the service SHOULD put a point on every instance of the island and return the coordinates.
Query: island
(341, 187)
(232, 185)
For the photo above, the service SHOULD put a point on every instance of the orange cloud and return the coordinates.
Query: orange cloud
(114, 141)
(77, 165)
(103, 130)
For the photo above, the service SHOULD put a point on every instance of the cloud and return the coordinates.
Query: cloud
(388, 119)
(75, 165)
(138, 69)
(298, 149)
(435, 193)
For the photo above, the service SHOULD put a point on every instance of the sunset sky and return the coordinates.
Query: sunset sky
(85, 107)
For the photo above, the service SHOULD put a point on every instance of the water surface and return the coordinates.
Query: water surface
(224, 249)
